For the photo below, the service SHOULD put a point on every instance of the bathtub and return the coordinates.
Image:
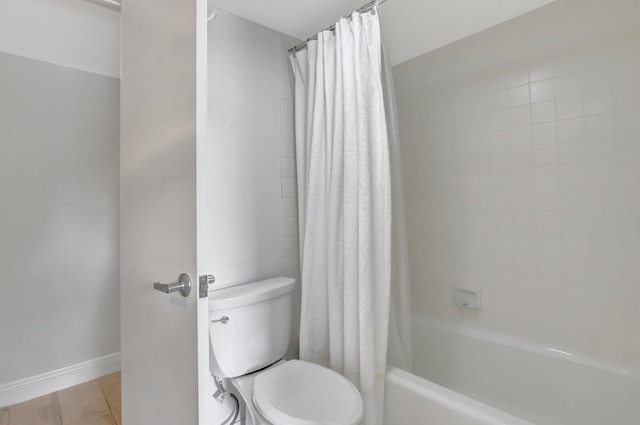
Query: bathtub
(470, 377)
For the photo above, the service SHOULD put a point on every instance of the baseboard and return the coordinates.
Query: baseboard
(36, 386)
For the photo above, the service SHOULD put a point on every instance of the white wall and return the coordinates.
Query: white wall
(72, 33)
(521, 149)
(58, 217)
(252, 231)
(59, 133)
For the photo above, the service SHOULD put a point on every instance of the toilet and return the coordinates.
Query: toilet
(249, 330)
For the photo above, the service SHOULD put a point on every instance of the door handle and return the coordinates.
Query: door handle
(183, 285)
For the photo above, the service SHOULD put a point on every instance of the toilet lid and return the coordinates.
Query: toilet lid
(302, 393)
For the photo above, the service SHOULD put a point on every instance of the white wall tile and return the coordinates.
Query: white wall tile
(555, 203)
(604, 198)
(627, 125)
(524, 242)
(499, 160)
(627, 150)
(570, 130)
(497, 120)
(569, 107)
(626, 72)
(629, 171)
(287, 149)
(524, 221)
(603, 174)
(627, 97)
(601, 150)
(289, 227)
(599, 78)
(520, 137)
(497, 101)
(545, 156)
(571, 153)
(290, 247)
(518, 96)
(521, 158)
(519, 116)
(498, 180)
(572, 175)
(523, 200)
(288, 168)
(291, 267)
(544, 134)
(546, 177)
(568, 85)
(598, 102)
(629, 198)
(517, 77)
(547, 199)
(286, 109)
(543, 112)
(289, 207)
(542, 91)
(573, 198)
(540, 71)
(498, 140)
(522, 179)
(599, 126)
(289, 188)
(287, 128)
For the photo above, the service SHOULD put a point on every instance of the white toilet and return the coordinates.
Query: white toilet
(249, 335)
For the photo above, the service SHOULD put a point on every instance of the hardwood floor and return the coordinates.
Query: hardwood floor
(92, 403)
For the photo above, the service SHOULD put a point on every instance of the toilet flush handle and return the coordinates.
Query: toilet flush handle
(224, 320)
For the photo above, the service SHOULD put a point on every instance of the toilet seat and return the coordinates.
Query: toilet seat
(302, 393)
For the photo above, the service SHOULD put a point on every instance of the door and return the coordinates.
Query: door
(164, 337)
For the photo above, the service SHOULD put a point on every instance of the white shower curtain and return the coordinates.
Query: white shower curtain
(344, 188)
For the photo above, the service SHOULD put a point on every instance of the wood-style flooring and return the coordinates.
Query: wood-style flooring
(92, 403)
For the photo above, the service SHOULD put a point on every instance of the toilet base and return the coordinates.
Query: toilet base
(242, 387)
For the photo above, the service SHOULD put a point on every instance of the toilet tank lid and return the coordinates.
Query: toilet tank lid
(250, 293)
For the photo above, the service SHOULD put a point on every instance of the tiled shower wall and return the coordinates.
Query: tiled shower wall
(290, 245)
(251, 227)
(290, 254)
(524, 182)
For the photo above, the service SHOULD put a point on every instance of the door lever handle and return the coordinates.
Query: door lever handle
(183, 285)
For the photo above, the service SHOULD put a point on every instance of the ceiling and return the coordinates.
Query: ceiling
(411, 27)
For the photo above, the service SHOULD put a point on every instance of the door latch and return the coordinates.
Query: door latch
(205, 281)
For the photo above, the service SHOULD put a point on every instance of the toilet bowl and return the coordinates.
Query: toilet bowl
(296, 392)
(250, 328)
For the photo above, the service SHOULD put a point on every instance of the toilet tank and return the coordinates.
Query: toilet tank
(258, 329)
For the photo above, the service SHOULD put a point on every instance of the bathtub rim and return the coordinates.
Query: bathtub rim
(515, 342)
(450, 399)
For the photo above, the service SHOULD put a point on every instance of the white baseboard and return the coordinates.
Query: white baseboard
(39, 385)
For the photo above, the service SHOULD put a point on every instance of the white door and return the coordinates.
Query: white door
(163, 117)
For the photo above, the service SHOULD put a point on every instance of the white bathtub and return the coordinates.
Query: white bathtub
(411, 400)
(470, 377)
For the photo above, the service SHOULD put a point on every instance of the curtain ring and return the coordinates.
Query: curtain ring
(374, 6)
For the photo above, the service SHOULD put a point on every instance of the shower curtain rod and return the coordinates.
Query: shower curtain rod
(367, 7)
